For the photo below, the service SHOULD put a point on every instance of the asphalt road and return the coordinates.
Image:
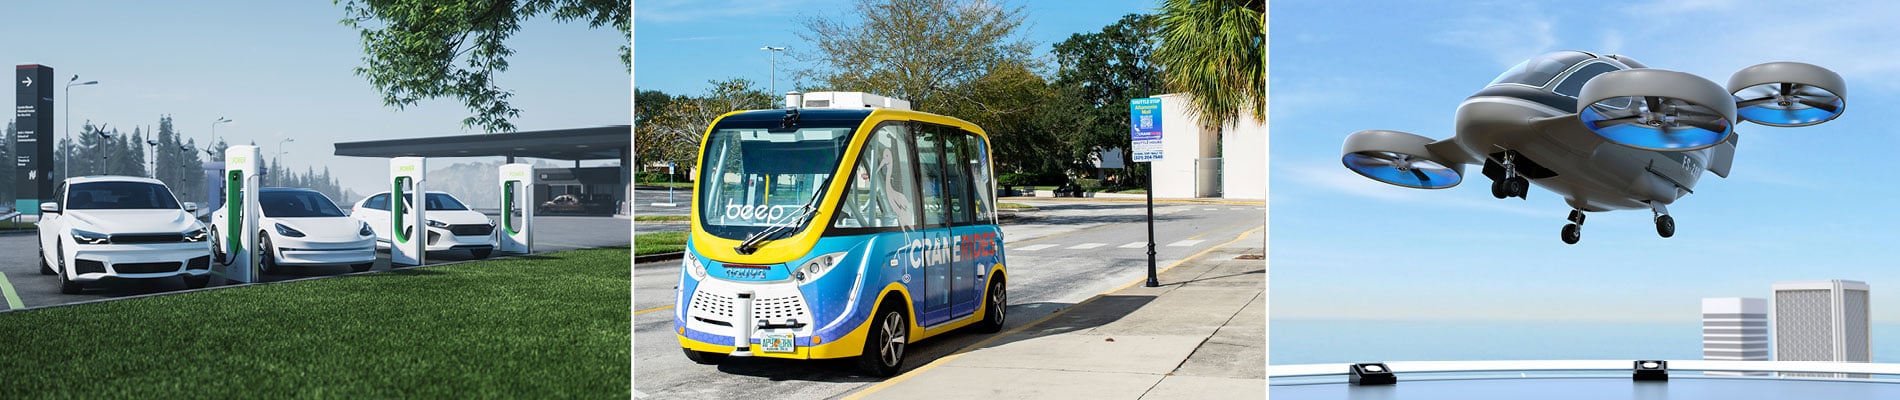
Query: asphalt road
(1058, 256)
(19, 262)
(643, 200)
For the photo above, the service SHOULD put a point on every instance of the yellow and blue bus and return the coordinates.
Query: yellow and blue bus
(839, 232)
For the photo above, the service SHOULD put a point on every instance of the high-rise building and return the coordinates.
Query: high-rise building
(1735, 329)
(1822, 321)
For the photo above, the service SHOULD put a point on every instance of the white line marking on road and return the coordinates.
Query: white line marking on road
(1035, 247)
(12, 298)
(1185, 243)
(1135, 245)
(1210, 209)
(1086, 246)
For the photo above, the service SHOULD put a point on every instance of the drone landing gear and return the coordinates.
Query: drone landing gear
(1665, 225)
(1513, 185)
(1573, 231)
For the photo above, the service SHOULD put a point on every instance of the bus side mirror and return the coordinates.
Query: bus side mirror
(49, 208)
(191, 207)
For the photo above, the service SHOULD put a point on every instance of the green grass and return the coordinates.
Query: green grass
(658, 242)
(661, 218)
(554, 326)
(1013, 206)
(686, 185)
(1132, 191)
(13, 225)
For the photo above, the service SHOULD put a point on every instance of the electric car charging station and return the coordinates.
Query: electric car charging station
(408, 238)
(517, 209)
(241, 178)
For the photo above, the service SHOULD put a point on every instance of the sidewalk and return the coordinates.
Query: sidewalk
(1201, 335)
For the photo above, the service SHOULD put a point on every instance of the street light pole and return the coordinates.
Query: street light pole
(66, 159)
(774, 51)
(280, 155)
(214, 137)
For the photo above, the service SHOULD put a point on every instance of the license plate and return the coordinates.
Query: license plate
(776, 343)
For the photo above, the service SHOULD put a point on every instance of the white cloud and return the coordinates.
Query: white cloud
(695, 10)
(1509, 33)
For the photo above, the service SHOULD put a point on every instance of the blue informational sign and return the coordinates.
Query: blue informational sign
(1144, 133)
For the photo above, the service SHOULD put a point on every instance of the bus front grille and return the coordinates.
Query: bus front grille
(721, 307)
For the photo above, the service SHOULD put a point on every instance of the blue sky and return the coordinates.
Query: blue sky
(1801, 204)
(283, 69)
(681, 44)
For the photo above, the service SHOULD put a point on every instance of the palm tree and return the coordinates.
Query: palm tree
(1215, 51)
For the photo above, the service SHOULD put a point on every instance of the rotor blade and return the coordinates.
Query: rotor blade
(1754, 102)
(1823, 105)
(1787, 88)
(1600, 124)
(1654, 103)
(1422, 177)
(1710, 126)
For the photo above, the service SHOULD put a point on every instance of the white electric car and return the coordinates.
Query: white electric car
(452, 226)
(108, 227)
(302, 227)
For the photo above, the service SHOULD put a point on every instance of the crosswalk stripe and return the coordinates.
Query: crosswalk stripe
(1035, 247)
(1135, 245)
(1185, 243)
(1086, 246)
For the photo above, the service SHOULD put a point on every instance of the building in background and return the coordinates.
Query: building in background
(1735, 329)
(1822, 321)
(1199, 162)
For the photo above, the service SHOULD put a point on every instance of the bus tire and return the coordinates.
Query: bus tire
(884, 349)
(996, 305)
(703, 357)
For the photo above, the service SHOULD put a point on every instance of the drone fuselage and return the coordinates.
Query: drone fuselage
(1590, 173)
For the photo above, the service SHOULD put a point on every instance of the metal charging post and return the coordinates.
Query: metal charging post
(516, 233)
(241, 178)
(408, 221)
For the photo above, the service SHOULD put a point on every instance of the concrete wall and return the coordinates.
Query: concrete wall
(1180, 142)
(1244, 155)
(1199, 162)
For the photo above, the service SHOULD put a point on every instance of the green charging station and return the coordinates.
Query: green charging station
(517, 209)
(408, 236)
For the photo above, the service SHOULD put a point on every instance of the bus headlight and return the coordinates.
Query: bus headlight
(817, 267)
(692, 266)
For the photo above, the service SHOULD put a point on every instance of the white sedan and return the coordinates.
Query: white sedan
(302, 227)
(452, 226)
(107, 227)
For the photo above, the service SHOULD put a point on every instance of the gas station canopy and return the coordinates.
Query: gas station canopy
(596, 143)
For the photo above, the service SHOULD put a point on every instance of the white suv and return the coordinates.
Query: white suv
(120, 227)
(452, 226)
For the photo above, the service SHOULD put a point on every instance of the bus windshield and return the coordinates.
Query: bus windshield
(752, 179)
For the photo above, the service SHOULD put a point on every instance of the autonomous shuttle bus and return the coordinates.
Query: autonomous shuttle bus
(844, 225)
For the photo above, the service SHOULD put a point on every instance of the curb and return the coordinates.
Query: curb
(1136, 200)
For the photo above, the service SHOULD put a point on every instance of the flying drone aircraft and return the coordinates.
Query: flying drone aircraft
(1604, 131)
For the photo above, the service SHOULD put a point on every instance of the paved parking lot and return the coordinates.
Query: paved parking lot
(20, 273)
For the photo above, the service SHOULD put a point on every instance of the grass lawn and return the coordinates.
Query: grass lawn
(685, 185)
(1013, 206)
(662, 218)
(658, 242)
(552, 326)
(11, 225)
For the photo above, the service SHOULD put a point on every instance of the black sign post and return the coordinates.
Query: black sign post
(33, 144)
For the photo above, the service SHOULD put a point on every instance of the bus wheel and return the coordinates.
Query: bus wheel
(884, 350)
(996, 305)
(703, 357)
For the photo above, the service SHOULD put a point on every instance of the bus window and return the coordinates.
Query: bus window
(881, 193)
(980, 177)
(755, 179)
(957, 183)
(930, 165)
